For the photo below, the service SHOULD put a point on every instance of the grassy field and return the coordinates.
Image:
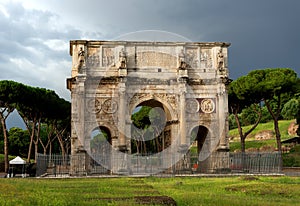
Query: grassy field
(283, 127)
(250, 140)
(246, 190)
(291, 159)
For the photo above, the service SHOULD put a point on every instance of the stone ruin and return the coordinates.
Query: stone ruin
(187, 81)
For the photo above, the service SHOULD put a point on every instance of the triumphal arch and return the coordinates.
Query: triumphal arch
(183, 83)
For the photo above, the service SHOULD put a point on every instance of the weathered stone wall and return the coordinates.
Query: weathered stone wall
(110, 78)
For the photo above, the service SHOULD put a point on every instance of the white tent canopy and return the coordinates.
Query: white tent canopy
(17, 161)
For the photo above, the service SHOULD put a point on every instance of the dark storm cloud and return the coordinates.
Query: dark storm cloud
(34, 39)
(263, 33)
(34, 47)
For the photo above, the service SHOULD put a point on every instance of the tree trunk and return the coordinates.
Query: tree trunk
(36, 142)
(59, 135)
(35, 150)
(243, 136)
(32, 129)
(46, 145)
(276, 128)
(240, 130)
(278, 140)
(5, 141)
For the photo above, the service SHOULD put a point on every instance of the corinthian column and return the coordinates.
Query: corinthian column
(183, 143)
(223, 113)
(122, 117)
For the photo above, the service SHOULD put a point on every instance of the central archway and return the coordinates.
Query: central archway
(150, 132)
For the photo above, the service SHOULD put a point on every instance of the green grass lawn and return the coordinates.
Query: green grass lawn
(291, 159)
(283, 127)
(247, 190)
(250, 140)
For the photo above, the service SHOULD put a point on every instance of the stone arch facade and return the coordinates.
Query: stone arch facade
(110, 78)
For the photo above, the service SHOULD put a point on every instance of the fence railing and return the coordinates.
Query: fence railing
(249, 162)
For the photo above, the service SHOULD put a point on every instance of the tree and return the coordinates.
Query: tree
(29, 110)
(18, 141)
(239, 99)
(277, 83)
(35, 105)
(9, 97)
(42, 105)
(273, 86)
(290, 109)
(62, 124)
(141, 122)
(147, 129)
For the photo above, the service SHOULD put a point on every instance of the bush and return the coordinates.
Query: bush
(289, 161)
(292, 159)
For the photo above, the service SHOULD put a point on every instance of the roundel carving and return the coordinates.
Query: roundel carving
(93, 106)
(192, 105)
(207, 105)
(110, 106)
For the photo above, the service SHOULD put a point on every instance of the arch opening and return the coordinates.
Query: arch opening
(150, 132)
(198, 137)
(99, 136)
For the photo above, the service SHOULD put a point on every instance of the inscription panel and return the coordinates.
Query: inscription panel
(155, 59)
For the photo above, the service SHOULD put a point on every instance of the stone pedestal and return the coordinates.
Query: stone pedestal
(79, 163)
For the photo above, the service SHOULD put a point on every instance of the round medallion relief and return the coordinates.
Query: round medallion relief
(207, 105)
(192, 106)
(93, 106)
(110, 106)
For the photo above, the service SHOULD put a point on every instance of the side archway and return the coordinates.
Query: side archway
(198, 136)
(99, 137)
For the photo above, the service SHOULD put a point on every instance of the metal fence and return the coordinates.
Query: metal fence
(256, 162)
(58, 165)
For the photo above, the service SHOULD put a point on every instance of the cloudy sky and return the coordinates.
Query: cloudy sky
(35, 34)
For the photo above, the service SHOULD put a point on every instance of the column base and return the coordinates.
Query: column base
(223, 148)
(123, 148)
(183, 148)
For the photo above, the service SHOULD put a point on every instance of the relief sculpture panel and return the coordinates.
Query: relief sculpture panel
(93, 59)
(192, 57)
(108, 56)
(205, 58)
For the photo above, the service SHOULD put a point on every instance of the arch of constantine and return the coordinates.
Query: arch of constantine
(184, 84)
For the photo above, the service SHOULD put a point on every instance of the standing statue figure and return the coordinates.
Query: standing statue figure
(81, 54)
(220, 60)
(182, 63)
(122, 60)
